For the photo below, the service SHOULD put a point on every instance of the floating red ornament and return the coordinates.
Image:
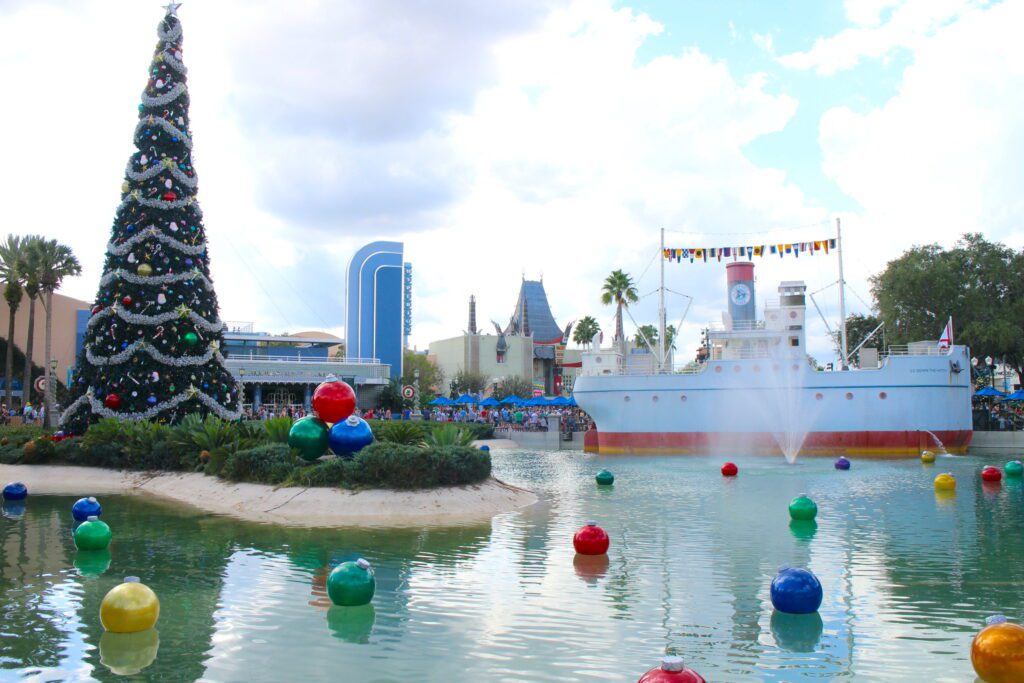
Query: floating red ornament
(591, 540)
(333, 401)
(730, 470)
(672, 670)
(989, 473)
(112, 401)
(169, 196)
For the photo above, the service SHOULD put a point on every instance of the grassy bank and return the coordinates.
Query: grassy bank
(405, 456)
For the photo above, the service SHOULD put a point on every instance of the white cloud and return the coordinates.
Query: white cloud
(942, 157)
(909, 24)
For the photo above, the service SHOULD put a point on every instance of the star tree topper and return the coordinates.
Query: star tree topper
(172, 8)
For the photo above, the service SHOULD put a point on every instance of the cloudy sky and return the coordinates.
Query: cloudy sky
(527, 137)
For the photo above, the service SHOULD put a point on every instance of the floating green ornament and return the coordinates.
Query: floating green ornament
(1014, 468)
(309, 437)
(351, 584)
(803, 508)
(605, 478)
(92, 534)
(190, 338)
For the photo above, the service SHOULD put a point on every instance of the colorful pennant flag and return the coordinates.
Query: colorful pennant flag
(784, 249)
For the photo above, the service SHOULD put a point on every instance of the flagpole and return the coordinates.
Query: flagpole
(843, 361)
(661, 309)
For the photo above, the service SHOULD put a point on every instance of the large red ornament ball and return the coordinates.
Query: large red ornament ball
(989, 473)
(112, 401)
(169, 196)
(672, 670)
(333, 401)
(127, 301)
(591, 540)
(729, 469)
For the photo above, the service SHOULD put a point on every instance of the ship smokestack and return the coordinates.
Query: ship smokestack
(472, 314)
(740, 285)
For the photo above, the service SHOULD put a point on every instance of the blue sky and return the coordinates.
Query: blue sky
(536, 137)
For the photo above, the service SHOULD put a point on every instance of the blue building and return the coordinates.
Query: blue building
(375, 300)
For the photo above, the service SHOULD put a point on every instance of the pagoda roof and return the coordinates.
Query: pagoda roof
(532, 314)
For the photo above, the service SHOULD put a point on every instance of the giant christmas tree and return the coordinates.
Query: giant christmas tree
(152, 347)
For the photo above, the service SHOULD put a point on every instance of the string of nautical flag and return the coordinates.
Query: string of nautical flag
(735, 253)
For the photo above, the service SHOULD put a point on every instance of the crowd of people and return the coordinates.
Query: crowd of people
(999, 417)
(29, 414)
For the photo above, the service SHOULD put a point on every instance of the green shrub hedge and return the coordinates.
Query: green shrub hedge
(477, 429)
(253, 452)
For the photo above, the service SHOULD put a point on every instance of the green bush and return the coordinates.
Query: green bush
(69, 450)
(407, 433)
(20, 434)
(396, 466)
(333, 472)
(479, 430)
(458, 465)
(450, 435)
(277, 428)
(37, 451)
(267, 464)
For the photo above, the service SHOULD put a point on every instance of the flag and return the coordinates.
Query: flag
(817, 245)
(727, 250)
(773, 249)
(946, 340)
(758, 251)
(832, 243)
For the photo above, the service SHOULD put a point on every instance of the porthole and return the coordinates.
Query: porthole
(818, 396)
(682, 398)
(849, 396)
(654, 399)
(882, 395)
(626, 398)
(718, 368)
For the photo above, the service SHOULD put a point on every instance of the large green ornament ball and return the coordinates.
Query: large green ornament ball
(309, 437)
(92, 534)
(803, 508)
(605, 478)
(351, 584)
(190, 338)
(1014, 468)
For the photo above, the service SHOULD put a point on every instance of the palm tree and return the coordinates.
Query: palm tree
(29, 266)
(618, 289)
(10, 273)
(56, 262)
(586, 328)
(646, 334)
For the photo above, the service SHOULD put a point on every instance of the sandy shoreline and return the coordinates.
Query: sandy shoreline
(291, 506)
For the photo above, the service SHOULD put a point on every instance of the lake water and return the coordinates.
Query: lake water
(909, 577)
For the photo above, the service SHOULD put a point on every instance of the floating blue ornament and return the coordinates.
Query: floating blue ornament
(15, 491)
(151, 400)
(130, 227)
(350, 436)
(84, 508)
(796, 591)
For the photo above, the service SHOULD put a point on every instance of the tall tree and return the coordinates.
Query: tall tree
(858, 327)
(977, 282)
(10, 273)
(651, 333)
(468, 381)
(431, 376)
(152, 346)
(30, 268)
(620, 290)
(56, 262)
(514, 386)
(585, 330)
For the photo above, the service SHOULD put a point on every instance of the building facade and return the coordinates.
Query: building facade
(375, 300)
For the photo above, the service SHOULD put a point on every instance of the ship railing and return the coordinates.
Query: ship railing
(917, 350)
(737, 326)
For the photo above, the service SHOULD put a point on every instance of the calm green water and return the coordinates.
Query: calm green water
(908, 579)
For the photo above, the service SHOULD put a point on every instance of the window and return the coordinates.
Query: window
(794, 341)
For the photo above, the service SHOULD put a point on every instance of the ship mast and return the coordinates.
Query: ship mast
(661, 307)
(842, 298)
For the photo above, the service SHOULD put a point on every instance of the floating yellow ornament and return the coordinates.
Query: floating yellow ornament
(945, 482)
(997, 652)
(144, 270)
(927, 457)
(129, 607)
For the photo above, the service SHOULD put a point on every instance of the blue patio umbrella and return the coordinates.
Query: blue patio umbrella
(988, 392)
(560, 401)
(465, 399)
(510, 400)
(440, 401)
(572, 401)
(1016, 396)
(490, 402)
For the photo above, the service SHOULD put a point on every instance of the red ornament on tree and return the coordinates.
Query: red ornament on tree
(730, 470)
(672, 670)
(96, 309)
(989, 473)
(127, 301)
(591, 540)
(112, 401)
(333, 401)
(169, 196)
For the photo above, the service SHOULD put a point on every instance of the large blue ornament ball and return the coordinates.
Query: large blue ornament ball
(842, 463)
(350, 436)
(84, 508)
(796, 591)
(15, 491)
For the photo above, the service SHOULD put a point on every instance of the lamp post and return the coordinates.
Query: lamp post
(51, 381)
(990, 363)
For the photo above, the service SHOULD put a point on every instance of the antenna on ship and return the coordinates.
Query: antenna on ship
(842, 298)
(661, 308)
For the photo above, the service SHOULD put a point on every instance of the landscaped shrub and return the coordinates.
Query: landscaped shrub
(328, 472)
(395, 466)
(479, 430)
(450, 435)
(458, 465)
(407, 433)
(277, 428)
(37, 451)
(69, 451)
(267, 464)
